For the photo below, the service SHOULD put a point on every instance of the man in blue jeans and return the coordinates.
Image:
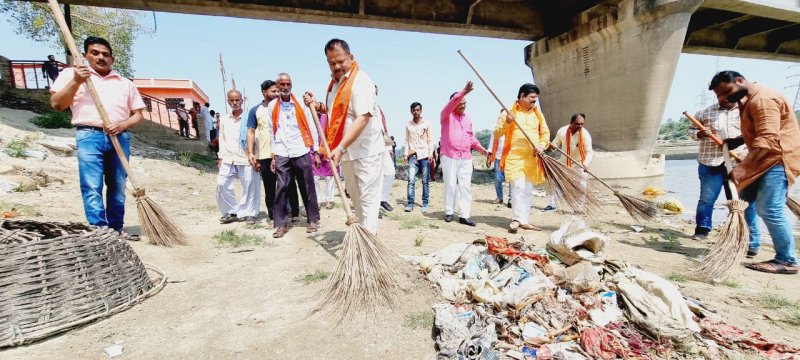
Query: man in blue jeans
(499, 176)
(97, 160)
(722, 120)
(418, 155)
(769, 128)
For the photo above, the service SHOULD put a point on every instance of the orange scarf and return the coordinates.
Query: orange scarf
(341, 103)
(510, 132)
(495, 145)
(581, 148)
(301, 121)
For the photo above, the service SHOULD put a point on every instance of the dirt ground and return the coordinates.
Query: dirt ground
(251, 302)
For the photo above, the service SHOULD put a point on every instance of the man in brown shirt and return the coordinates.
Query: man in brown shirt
(769, 128)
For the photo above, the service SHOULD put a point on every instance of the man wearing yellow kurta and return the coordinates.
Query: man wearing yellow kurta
(520, 161)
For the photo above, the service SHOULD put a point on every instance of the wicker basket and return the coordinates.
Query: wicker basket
(56, 276)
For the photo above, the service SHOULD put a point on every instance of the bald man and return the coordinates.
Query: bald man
(233, 164)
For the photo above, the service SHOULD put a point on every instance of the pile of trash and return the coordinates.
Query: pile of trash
(511, 300)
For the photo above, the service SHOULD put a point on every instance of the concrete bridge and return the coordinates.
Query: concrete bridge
(611, 59)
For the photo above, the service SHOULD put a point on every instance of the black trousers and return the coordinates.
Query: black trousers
(184, 127)
(300, 169)
(269, 179)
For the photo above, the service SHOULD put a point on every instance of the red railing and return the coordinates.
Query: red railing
(158, 111)
(27, 74)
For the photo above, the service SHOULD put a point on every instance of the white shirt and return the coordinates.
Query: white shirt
(561, 142)
(362, 101)
(500, 144)
(208, 120)
(230, 148)
(287, 141)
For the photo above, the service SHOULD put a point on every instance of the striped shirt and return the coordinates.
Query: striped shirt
(727, 126)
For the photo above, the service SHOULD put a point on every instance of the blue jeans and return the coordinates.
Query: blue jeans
(413, 166)
(98, 163)
(712, 180)
(767, 196)
(499, 179)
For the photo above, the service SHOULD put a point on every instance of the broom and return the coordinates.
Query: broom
(638, 209)
(365, 276)
(563, 182)
(155, 223)
(791, 202)
(730, 247)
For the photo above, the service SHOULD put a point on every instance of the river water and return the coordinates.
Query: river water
(680, 181)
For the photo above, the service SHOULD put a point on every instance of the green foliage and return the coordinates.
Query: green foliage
(318, 275)
(53, 120)
(678, 277)
(16, 148)
(483, 138)
(419, 320)
(231, 238)
(198, 161)
(793, 319)
(119, 27)
(674, 130)
(775, 301)
(419, 240)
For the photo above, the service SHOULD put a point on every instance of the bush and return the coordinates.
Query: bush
(674, 130)
(17, 148)
(53, 120)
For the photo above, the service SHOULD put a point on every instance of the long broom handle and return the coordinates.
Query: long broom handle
(728, 168)
(713, 137)
(62, 25)
(496, 97)
(333, 165)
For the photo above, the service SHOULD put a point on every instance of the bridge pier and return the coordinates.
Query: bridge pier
(616, 65)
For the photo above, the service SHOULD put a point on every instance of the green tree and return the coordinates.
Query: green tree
(119, 27)
(483, 138)
(674, 130)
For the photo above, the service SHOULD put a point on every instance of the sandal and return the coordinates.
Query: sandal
(280, 232)
(513, 227)
(312, 227)
(529, 227)
(773, 267)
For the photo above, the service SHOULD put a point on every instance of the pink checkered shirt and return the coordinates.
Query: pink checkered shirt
(727, 126)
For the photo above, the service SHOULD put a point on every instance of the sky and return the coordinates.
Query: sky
(406, 66)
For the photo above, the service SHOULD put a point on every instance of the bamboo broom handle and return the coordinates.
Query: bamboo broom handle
(728, 168)
(496, 97)
(333, 166)
(713, 137)
(62, 25)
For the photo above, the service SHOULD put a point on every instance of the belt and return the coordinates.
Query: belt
(91, 128)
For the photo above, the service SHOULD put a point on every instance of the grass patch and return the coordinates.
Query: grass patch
(232, 238)
(254, 226)
(27, 210)
(775, 301)
(677, 277)
(418, 320)
(16, 148)
(318, 275)
(418, 240)
(793, 319)
(731, 283)
(199, 161)
(53, 120)
(411, 223)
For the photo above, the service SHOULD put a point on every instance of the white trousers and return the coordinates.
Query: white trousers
(388, 177)
(325, 188)
(363, 179)
(457, 176)
(522, 201)
(249, 205)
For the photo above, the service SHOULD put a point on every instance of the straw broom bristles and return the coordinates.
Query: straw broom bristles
(566, 184)
(365, 278)
(156, 225)
(793, 205)
(639, 209)
(730, 247)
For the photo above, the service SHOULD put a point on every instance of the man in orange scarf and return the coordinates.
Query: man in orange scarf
(520, 160)
(355, 132)
(575, 141)
(293, 137)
